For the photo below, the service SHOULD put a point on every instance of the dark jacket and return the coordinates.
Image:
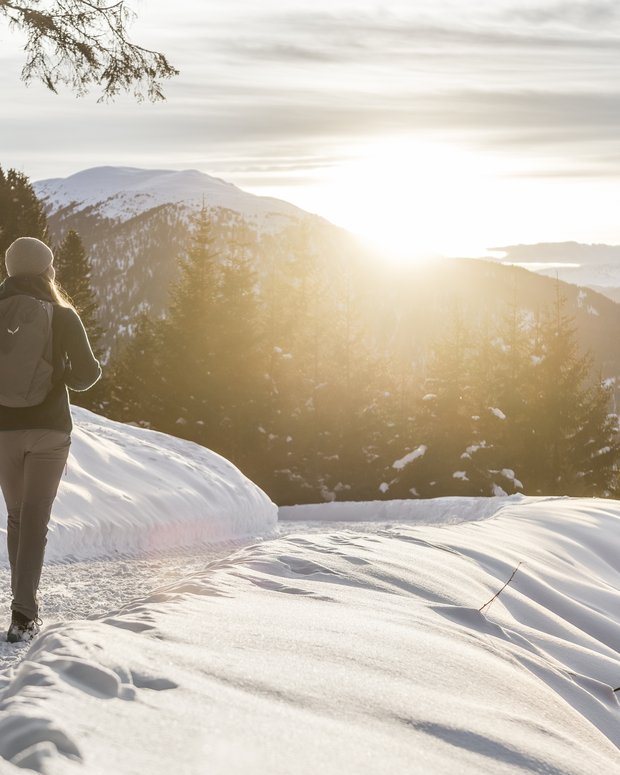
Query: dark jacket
(74, 364)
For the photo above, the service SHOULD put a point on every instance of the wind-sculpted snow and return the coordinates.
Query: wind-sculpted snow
(128, 490)
(346, 652)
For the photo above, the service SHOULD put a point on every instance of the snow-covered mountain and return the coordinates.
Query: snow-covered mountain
(134, 224)
(122, 193)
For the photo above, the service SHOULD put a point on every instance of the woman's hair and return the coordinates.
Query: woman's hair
(60, 296)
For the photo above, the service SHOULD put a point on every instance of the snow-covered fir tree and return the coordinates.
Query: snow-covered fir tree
(512, 409)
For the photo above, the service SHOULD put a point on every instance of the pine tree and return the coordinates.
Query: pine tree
(296, 319)
(239, 385)
(188, 340)
(21, 213)
(516, 412)
(570, 423)
(73, 273)
(162, 375)
(137, 381)
(437, 460)
(595, 469)
(502, 391)
(349, 407)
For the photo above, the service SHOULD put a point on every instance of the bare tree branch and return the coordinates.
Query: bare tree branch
(84, 42)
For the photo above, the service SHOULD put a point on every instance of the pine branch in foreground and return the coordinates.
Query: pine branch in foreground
(84, 42)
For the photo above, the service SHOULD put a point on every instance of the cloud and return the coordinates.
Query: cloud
(584, 12)
(275, 133)
(270, 93)
(342, 38)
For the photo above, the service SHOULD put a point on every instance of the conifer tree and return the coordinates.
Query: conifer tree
(162, 374)
(21, 213)
(296, 310)
(349, 409)
(239, 384)
(436, 462)
(595, 469)
(573, 437)
(73, 273)
(503, 397)
(136, 377)
(188, 340)
(516, 412)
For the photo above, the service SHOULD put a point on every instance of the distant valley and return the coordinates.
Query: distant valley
(591, 266)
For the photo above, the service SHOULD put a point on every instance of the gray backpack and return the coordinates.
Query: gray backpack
(25, 350)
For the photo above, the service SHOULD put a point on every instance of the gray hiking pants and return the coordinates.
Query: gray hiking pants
(31, 464)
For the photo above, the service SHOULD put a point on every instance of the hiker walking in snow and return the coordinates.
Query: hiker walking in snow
(43, 350)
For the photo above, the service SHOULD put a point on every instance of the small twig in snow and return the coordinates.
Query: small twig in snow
(502, 589)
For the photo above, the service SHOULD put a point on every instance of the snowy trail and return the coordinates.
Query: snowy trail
(92, 588)
(89, 589)
(130, 497)
(346, 650)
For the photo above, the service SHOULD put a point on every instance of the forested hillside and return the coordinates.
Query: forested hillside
(325, 373)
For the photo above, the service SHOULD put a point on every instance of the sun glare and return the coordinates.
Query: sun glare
(415, 200)
(410, 199)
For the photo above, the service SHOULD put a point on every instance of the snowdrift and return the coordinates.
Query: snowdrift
(444, 511)
(128, 489)
(346, 652)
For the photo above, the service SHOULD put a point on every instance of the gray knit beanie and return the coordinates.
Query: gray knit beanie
(27, 255)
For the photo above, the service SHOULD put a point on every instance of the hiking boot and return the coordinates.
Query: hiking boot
(22, 628)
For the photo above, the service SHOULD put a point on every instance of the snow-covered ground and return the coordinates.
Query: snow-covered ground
(127, 489)
(377, 648)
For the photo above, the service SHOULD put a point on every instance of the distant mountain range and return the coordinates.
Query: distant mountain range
(134, 223)
(592, 266)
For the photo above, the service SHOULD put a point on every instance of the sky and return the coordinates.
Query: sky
(441, 127)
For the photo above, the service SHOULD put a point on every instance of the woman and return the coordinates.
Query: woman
(35, 440)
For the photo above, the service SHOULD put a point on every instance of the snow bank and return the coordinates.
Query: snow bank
(346, 653)
(445, 511)
(129, 489)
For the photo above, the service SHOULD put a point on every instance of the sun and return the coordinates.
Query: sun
(415, 200)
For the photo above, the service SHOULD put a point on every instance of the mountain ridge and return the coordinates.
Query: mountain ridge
(120, 192)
